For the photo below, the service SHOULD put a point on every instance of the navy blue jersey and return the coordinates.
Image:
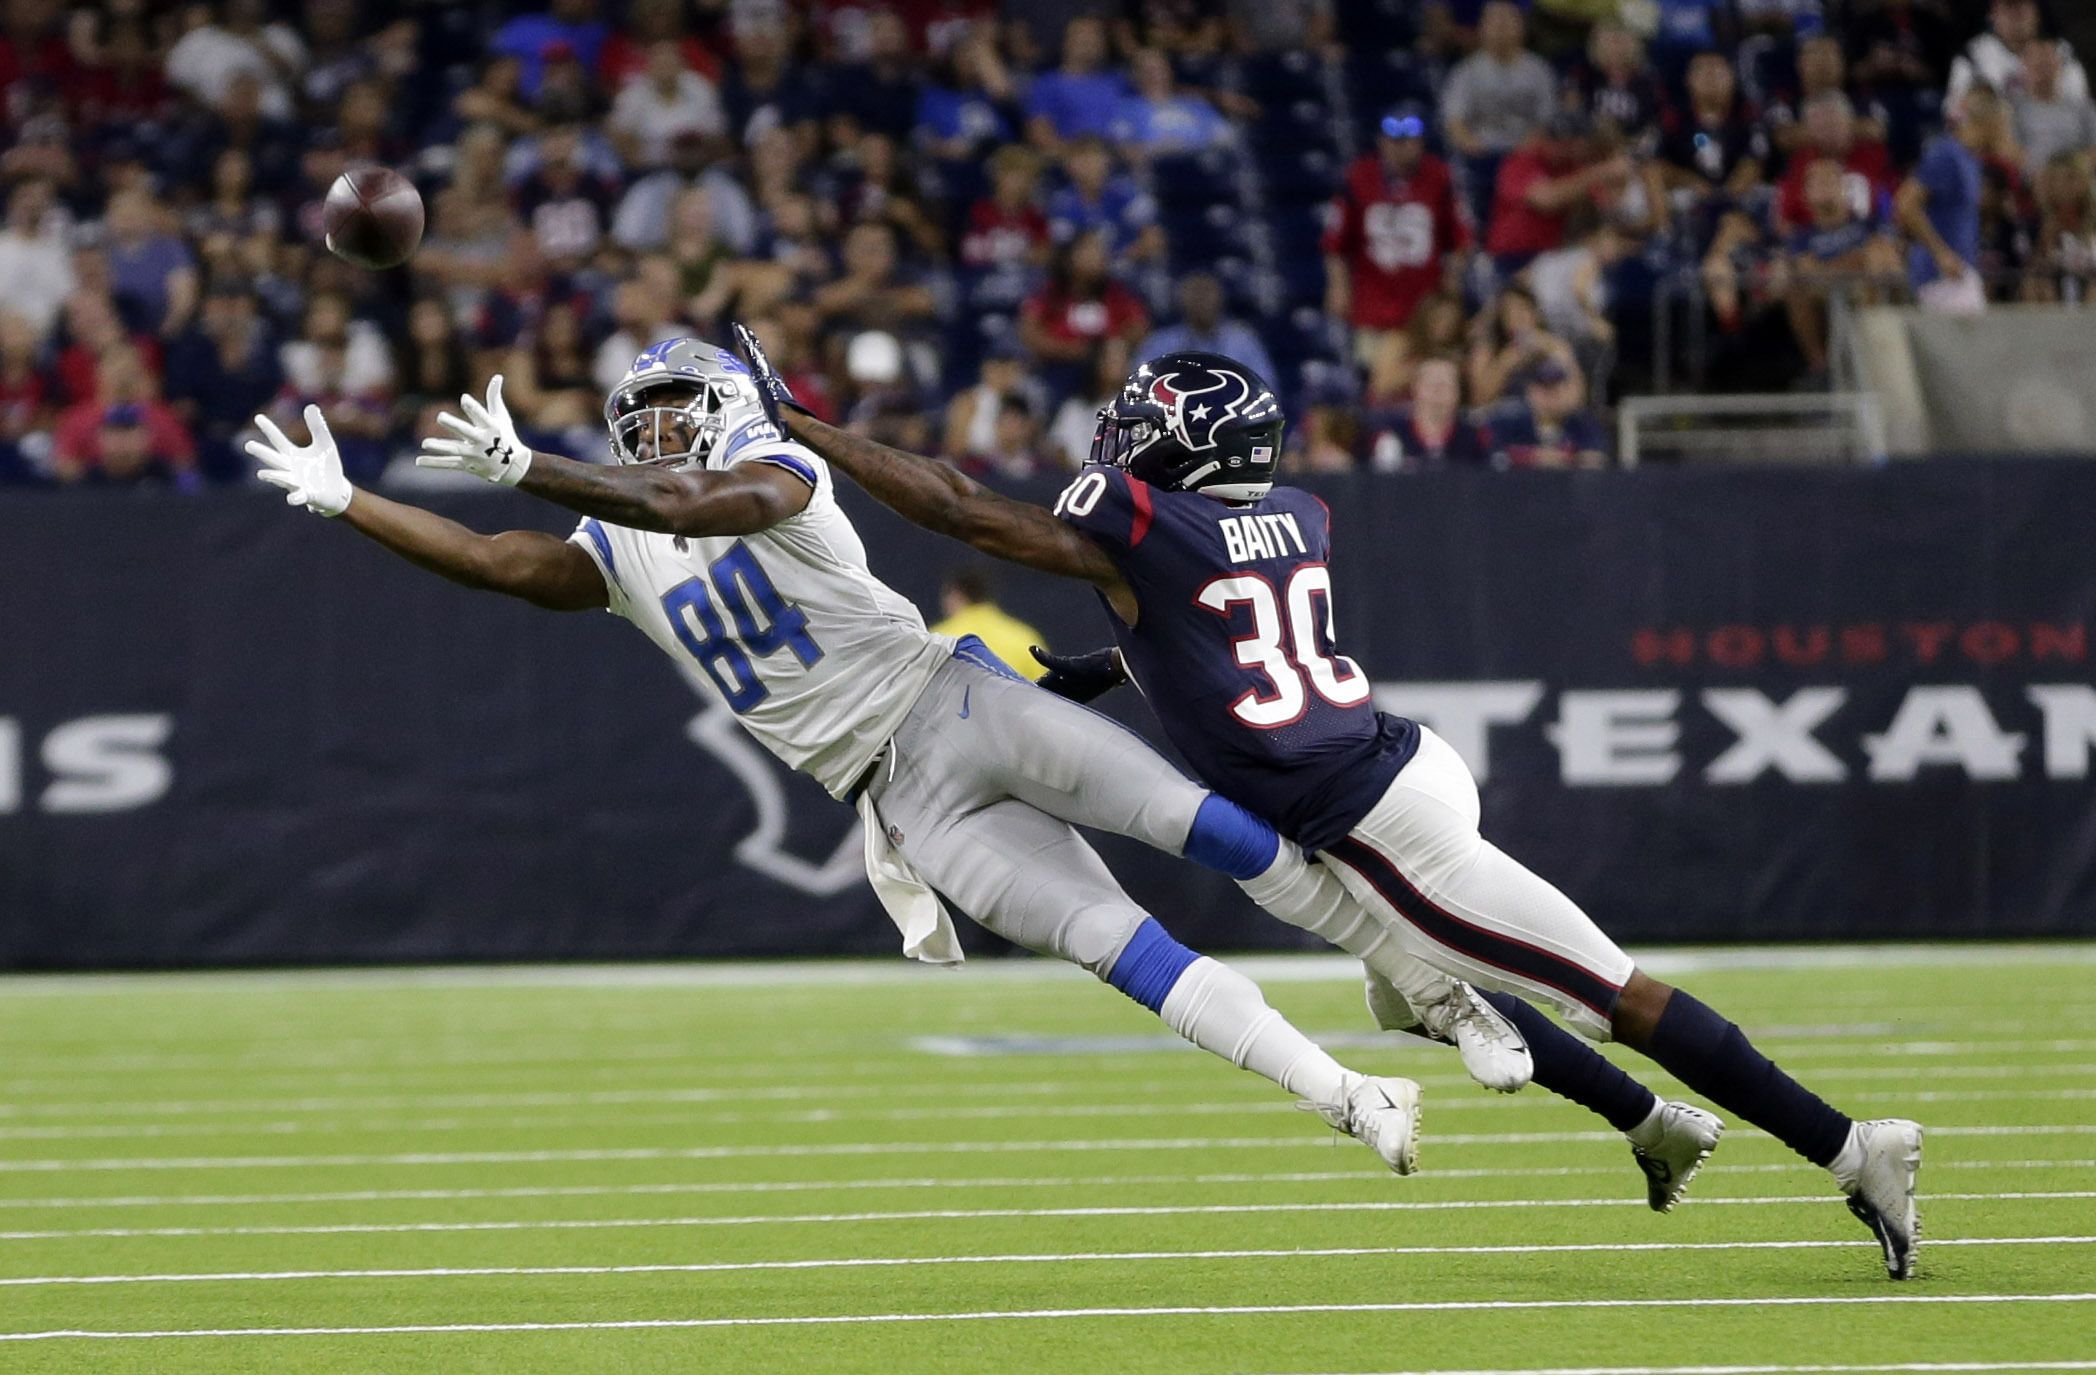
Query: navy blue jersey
(1234, 648)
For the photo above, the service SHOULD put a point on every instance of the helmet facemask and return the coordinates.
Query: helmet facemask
(674, 422)
(1126, 428)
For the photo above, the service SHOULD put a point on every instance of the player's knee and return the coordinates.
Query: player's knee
(1096, 936)
(1638, 1009)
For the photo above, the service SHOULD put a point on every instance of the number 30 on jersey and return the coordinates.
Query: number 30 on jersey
(1284, 644)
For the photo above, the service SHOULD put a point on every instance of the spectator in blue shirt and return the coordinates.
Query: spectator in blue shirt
(1202, 326)
(151, 273)
(221, 371)
(1159, 121)
(528, 37)
(967, 108)
(1079, 98)
(1098, 198)
(1554, 429)
(1939, 207)
(878, 95)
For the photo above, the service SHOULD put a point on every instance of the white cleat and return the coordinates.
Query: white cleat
(1383, 1115)
(1493, 1050)
(1670, 1146)
(1881, 1194)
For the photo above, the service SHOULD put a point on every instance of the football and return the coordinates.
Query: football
(372, 217)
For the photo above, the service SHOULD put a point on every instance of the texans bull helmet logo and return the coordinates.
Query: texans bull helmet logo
(1195, 414)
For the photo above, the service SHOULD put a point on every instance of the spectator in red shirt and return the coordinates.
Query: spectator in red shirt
(1006, 242)
(92, 329)
(1540, 182)
(126, 433)
(24, 391)
(1830, 130)
(648, 22)
(1398, 233)
(32, 47)
(120, 87)
(1079, 307)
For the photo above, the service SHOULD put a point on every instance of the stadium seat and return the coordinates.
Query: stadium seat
(1277, 78)
(1372, 25)
(1197, 179)
(1300, 176)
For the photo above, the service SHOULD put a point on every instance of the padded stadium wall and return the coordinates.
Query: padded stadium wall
(1712, 706)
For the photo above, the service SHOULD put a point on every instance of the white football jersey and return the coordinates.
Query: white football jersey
(818, 658)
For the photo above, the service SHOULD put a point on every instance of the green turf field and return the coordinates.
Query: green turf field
(872, 1167)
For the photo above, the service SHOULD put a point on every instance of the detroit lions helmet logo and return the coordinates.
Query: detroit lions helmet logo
(1193, 417)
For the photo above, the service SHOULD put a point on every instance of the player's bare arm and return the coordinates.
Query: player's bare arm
(733, 501)
(542, 569)
(943, 499)
(640, 495)
(527, 564)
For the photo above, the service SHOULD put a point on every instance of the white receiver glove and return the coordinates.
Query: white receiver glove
(310, 474)
(486, 445)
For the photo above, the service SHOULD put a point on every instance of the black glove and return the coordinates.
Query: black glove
(1081, 677)
(771, 388)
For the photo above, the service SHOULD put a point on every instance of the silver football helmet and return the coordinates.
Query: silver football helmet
(684, 403)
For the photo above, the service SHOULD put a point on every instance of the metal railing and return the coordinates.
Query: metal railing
(1681, 316)
(1814, 419)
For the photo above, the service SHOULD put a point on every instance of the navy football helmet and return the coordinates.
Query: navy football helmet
(1196, 422)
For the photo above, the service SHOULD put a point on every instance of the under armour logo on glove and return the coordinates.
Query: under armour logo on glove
(486, 444)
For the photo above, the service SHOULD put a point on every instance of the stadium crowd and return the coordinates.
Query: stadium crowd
(1439, 226)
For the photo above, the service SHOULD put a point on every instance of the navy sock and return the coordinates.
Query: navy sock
(1574, 1070)
(1714, 1057)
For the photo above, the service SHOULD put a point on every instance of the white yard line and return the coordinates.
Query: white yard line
(937, 1088)
(866, 1148)
(800, 1091)
(977, 1214)
(1018, 1258)
(1044, 1315)
(368, 1057)
(793, 1186)
(948, 1112)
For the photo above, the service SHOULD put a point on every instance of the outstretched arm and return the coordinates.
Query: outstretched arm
(543, 569)
(539, 568)
(736, 501)
(943, 499)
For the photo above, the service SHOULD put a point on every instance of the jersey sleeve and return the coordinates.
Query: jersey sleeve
(594, 540)
(761, 442)
(1110, 506)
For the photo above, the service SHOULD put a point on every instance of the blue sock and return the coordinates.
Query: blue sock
(1574, 1070)
(1714, 1057)
(1150, 964)
(1227, 837)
